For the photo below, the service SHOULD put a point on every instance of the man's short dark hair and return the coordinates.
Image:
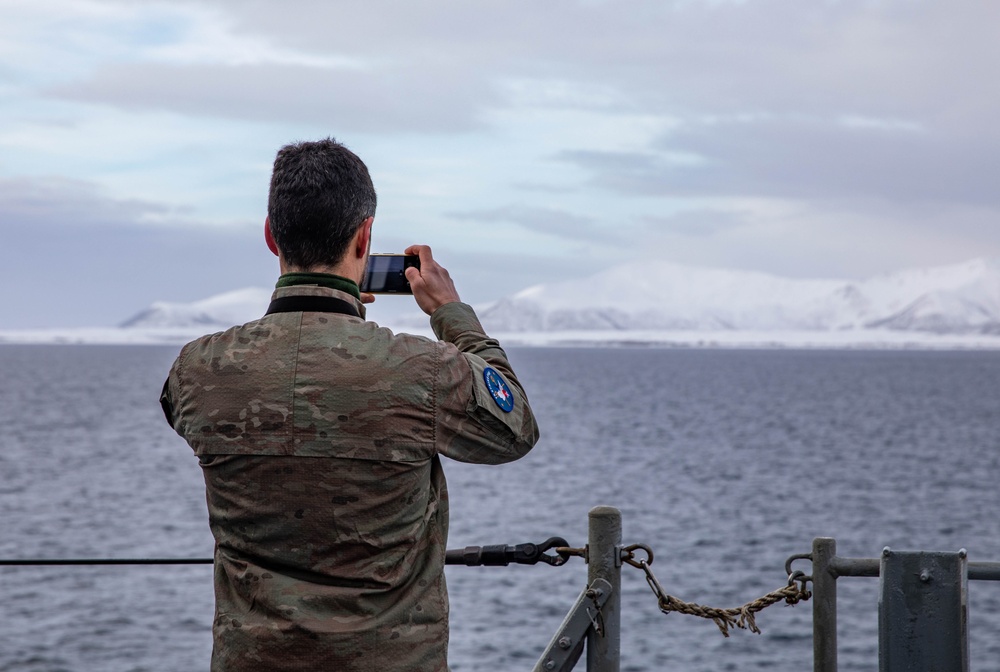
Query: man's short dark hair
(320, 194)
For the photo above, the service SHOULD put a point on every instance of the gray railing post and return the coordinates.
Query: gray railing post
(824, 598)
(604, 561)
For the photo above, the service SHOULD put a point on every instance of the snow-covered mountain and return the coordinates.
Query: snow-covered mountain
(660, 302)
(958, 299)
(220, 311)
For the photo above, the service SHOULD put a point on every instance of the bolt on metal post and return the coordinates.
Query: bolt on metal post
(604, 562)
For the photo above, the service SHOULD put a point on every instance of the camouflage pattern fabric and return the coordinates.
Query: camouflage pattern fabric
(320, 438)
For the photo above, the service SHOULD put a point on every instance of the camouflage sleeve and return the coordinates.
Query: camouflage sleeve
(482, 411)
(168, 396)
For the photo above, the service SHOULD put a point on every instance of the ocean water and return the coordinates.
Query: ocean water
(724, 462)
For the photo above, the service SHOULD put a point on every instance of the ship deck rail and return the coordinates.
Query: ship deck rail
(923, 597)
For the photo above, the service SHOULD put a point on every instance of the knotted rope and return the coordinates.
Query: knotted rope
(740, 617)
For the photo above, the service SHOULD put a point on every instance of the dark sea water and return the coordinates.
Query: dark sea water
(724, 462)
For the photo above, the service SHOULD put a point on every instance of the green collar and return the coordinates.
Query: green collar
(323, 280)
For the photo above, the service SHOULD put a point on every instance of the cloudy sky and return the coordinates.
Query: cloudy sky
(524, 141)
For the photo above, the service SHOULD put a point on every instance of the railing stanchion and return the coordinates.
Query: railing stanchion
(824, 598)
(604, 561)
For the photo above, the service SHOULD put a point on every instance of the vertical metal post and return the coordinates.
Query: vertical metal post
(824, 551)
(604, 561)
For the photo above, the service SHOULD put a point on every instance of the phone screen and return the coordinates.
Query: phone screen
(385, 273)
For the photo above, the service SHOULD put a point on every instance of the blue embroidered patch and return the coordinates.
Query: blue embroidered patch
(499, 390)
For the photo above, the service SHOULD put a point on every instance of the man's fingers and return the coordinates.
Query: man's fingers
(422, 251)
(427, 263)
(414, 249)
(367, 298)
(431, 284)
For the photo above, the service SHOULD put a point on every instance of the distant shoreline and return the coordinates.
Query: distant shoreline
(717, 340)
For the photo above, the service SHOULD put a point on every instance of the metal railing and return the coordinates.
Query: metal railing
(592, 623)
(923, 605)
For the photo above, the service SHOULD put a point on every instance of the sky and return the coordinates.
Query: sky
(526, 142)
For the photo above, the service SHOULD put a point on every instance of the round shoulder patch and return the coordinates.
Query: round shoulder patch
(498, 389)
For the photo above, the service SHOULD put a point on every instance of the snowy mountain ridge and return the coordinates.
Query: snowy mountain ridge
(956, 306)
(961, 298)
(221, 311)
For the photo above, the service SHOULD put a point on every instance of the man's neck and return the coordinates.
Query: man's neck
(339, 269)
(330, 280)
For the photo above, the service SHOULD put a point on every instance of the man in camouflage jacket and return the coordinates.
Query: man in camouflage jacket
(320, 436)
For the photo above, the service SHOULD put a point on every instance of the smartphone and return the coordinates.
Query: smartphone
(386, 273)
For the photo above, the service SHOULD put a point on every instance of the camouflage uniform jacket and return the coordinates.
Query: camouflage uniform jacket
(319, 435)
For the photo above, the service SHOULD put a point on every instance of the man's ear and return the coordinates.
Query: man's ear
(268, 238)
(363, 238)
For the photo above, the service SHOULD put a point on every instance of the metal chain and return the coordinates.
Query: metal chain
(566, 552)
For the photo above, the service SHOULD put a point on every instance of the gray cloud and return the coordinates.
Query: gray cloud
(759, 88)
(71, 256)
(550, 221)
(391, 100)
(544, 188)
(74, 257)
(805, 159)
(66, 203)
(696, 224)
(698, 52)
(437, 66)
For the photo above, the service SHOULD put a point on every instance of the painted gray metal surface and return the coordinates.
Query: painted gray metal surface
(595, 619)
(824, 554)
(984, 571)
(566, 646)
(923, 607)
(923, 612)
(604, 561)
(855, 566)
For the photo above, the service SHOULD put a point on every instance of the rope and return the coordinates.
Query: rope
(741, 617)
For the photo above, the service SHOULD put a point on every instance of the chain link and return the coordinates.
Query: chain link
(567, 552)
(628, 555)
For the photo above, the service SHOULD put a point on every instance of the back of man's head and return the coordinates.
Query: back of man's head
(320, 194)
